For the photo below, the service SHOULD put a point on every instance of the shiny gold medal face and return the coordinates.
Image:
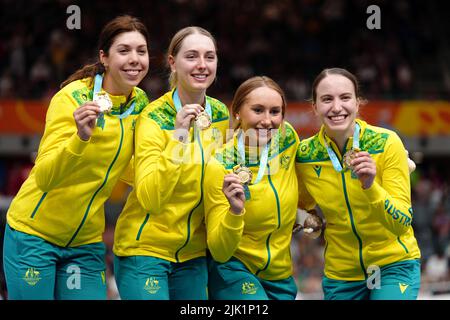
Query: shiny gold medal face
(348, 157)
(104, 102)
(202, 121)
(244, 174)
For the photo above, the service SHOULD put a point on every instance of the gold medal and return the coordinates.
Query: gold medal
(348, 157)
(104, 102)
(244, 174)
(203, 121)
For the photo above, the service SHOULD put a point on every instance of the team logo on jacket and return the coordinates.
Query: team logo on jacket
(317, 169)
(152, 285)
(403, 287)
(102, 274)
(249, 288)
(32, 276)
(284, 161)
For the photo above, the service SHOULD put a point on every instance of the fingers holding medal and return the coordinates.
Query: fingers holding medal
(203, 121)
(313, 225)
(362, 164)
(245, 174)
(103, 101)
(349, 156)
(234, 192)
(191, 112)
(85, 118)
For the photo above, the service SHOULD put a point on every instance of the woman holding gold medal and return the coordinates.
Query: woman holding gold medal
(160, 237)
(251, 199)
(53, 245)
(358, 175)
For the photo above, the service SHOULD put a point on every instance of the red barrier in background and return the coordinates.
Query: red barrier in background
(22, 117)
(410, 118)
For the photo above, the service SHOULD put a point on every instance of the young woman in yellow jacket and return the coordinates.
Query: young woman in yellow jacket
(160, 237)
(251, 199)
(358, 175)
(53, 245)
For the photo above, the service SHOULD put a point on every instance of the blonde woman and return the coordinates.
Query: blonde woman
(160, 238)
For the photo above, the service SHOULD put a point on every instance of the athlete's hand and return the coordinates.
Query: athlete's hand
(365, 168)
(234, 191)
(411, 163)
(186, 114)
(312, 227)
(183, 120)
(312, 224)
(85, 119)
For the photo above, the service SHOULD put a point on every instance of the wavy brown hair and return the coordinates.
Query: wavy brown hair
(110, 31)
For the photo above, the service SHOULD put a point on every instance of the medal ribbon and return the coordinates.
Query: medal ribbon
(178, 106)
(97, 88)
(263, 158)
(334, 159)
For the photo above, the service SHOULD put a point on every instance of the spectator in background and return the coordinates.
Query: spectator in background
(403, 63)
(440, 226)
(7, 85)
(436, 267)
(17, 175)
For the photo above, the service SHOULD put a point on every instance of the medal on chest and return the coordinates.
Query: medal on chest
(203, 121)
(245, 174)
(348, 156)
(104, 102)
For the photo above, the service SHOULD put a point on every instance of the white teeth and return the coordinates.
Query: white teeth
(337, 118)
(200, 76)
(132, 72)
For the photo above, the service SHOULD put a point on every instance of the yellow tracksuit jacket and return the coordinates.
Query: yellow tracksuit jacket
(62, 199)
(260, 237)
(163, 216)
(363, 227)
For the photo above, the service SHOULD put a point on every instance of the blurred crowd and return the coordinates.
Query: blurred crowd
(288, 40)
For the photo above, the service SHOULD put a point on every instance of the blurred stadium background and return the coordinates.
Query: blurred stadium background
(404, 69)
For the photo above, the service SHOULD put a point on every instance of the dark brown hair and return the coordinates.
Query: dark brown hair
(247, 87)
(338, 71)
(110, 31)
(177, 41)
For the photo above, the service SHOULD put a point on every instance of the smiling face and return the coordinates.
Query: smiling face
(195, 63)
(261, 113)
(336, 105)
(126, 63)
